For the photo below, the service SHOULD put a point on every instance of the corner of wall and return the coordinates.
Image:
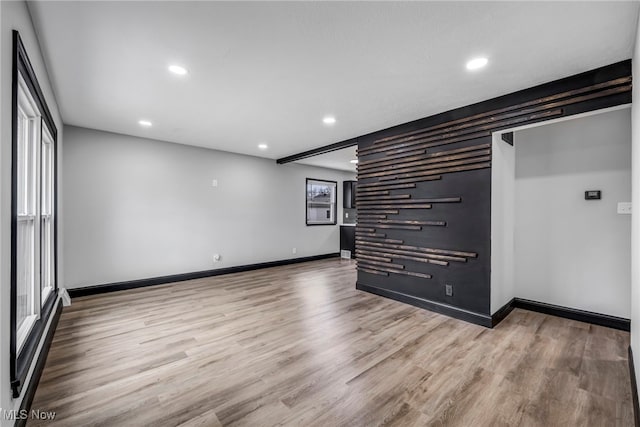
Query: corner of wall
(635, 198)
(502, 227)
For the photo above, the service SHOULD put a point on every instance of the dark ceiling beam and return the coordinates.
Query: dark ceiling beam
(320, 150)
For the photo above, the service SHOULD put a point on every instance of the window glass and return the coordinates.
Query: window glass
(321, 202)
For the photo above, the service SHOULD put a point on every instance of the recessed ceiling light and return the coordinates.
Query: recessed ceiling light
(263, 146)
(477, 63)
(176, 69)
(145, 123)
(354, 161)
(329, 120)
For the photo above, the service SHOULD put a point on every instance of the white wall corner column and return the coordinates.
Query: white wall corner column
(502, 222)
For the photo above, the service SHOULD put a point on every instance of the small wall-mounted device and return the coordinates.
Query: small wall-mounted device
(593, 195)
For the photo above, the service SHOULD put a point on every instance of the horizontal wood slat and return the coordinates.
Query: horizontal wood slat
(411, 222)
(380, 211)
(390, 270)
(387, 249)
(365, 229)
(401, 256)
(378, 240)
(406, 206)
(394, 227)
(378, 235)
(380, 263)
(387, 184)
(368, 191)
(417, 201)
(373, 192)
(399, 197)
(373, 257)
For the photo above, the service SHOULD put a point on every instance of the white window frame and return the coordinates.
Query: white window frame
(47, 212)
(28, 209)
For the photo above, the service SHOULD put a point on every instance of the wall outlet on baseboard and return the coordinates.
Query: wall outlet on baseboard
(294, 250)
(448, 290)
(216, 257)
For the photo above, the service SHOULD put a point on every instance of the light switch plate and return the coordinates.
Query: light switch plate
(624, 208)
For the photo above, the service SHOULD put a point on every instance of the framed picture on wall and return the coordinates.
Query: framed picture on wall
(321, 199)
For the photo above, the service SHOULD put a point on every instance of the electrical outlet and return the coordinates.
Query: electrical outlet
(216, 257)
(294, 251)
(448, 290)
(214, 183)
(624, 208)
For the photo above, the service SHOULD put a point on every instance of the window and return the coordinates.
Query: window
(321, 202)
(28, 147)
(47, 248)
(33, 242)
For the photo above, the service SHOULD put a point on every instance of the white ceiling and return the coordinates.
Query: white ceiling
(339, 159)
(269, 71)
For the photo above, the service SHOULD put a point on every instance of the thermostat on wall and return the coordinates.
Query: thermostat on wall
(593, 195)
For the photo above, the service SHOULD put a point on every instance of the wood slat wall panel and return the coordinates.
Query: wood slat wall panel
(411, 160)
(407, 184)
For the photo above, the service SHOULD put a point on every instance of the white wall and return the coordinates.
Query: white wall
(502, 222)
(569, 251)
(14, 15)
(139, 208)
(635, 218)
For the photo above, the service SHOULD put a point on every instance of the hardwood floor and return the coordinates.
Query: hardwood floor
(299, 346)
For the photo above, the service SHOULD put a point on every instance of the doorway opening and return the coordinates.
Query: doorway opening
(561, 228)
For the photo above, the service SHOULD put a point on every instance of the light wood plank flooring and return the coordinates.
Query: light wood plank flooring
(299, 346)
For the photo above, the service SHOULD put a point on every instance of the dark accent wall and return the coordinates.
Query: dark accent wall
(424, 192)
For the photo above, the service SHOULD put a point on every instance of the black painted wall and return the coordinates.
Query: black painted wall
(468, 229)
